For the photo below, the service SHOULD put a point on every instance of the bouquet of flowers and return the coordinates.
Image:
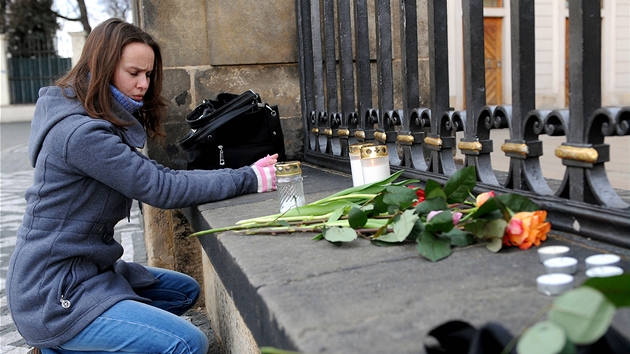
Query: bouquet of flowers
(436, 218)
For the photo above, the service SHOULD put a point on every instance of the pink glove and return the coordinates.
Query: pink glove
(266, 173)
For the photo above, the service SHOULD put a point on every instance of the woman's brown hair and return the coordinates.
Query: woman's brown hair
(94, 72)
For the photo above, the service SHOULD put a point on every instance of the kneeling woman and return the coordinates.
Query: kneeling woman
(68, 290)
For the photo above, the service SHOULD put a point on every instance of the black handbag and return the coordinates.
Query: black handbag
(232, 131)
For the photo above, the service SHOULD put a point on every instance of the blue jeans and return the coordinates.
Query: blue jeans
(135, 327)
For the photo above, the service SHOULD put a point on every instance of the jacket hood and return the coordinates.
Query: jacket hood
(52, 107)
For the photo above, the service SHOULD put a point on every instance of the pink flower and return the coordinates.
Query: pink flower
(456, 216)
(483, 197)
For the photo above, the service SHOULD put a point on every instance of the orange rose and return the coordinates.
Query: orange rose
(483, 197)
(526, 229)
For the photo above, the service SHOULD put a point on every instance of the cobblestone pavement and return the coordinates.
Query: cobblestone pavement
(12, 186)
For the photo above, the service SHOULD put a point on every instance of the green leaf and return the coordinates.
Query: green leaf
(336, 214)
(357, 218)
(433, 248)
(517, 203)
(459, 238)
(431, 188)
(370, 188)
(378, 242)
(401, 197)
(495, 229)
(584, 314)
(488, 207)
(436, 193)
(404, 223)
(495, 244)
(405, 182)
(316, 209)
(418, 229)
(339, 234)
(616, 289)
(476, 227)
(459, 185)
(507, 212)
(428, 205)
(544, 338)
(380, 206)
(389, 237)
(442, 222)
(318, 237)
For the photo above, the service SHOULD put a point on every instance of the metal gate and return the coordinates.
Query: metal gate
(339, 107)
(32, 68)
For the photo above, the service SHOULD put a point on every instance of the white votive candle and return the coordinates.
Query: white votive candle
(355, 163)
(375, 163)
(554, 283)
(567, 265)
(600, 260)
(548, 252)
(604, 271)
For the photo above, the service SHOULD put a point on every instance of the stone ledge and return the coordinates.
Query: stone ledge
(298, 294)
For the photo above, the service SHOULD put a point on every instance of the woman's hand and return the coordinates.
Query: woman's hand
(266, 173)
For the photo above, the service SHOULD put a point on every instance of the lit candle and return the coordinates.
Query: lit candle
(548, 252)
(374, 163)
(604, 271)
(567, 265)
(554, 283)
(600, 260)
(355, 163)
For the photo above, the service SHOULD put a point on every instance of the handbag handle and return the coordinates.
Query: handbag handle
(202, 115)
(217, 118)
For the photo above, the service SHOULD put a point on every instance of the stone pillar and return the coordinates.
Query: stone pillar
(209, 47)
(5, 97)
(78, 41)
(222, 46)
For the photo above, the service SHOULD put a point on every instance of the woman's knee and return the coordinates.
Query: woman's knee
(196, 343)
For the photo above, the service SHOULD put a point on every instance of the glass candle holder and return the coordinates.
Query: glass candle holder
(290, 185)
(374, 163)
(355, 163)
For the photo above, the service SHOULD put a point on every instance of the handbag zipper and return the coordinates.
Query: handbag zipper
(221, 158)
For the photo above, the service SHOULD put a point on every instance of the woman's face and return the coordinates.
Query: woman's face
(131, 76)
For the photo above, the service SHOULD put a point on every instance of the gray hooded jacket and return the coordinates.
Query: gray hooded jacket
(66, 270)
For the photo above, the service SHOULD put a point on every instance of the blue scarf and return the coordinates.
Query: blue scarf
(131, 105)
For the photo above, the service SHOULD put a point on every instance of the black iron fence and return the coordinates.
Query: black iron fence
(336, 72)
(34, 66)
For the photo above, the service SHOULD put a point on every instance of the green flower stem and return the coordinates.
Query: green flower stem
(278, 217)
(228, 228)
(367, 198)
(291, 230)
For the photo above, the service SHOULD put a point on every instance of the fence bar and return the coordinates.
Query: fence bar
(348, 112)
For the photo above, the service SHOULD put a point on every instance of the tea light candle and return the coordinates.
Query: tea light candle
(355, 163)
(567, 265)
(600, 260)
(554, 283)
(602, 272)
(548, 252)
